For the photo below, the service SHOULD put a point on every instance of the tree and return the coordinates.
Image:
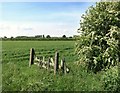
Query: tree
(38, 36)
(70, 37)
(64, 36)
(48, 36)
(43, 36)
(11, 37)
(5, 37)
(98, 44)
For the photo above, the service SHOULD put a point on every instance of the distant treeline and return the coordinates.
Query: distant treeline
(40, 38)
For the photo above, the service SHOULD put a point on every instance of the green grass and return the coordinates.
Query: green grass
(17, 76)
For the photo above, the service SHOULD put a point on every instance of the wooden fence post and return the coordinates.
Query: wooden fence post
(63, 65)
(32, 52)
(56, 65)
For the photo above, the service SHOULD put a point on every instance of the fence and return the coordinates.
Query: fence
(40, 61)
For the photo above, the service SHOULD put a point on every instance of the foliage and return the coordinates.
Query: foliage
(5, 37)
(99, 40)
(39, 38)
(48, 36)
(111, 80)
(64, 36)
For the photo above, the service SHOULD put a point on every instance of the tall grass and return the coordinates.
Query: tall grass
(17, 76)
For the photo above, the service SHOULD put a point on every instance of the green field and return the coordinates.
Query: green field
(18, 76)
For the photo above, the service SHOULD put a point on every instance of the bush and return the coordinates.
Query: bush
(111, 79)
(99, 42)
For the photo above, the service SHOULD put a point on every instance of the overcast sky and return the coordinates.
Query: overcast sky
(38, 18)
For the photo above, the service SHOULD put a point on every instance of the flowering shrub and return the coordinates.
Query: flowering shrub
(99, 42)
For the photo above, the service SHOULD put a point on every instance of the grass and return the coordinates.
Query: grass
(17, 76)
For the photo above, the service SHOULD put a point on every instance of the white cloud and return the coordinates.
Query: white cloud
(36, 28)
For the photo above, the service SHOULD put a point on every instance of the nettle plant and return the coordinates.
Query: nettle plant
(98, 45)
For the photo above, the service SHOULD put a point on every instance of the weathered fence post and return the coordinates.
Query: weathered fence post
(32, 52)
(63, 65)
(56, 65)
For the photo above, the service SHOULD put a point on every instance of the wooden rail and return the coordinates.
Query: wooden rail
(49, 63)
